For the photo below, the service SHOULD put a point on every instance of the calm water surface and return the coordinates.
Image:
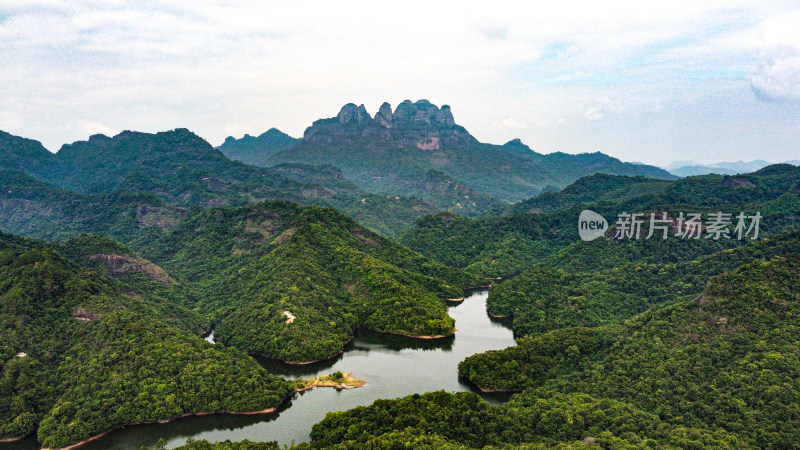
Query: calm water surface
(392, 366)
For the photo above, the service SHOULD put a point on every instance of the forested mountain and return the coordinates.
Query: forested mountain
(726, 359)
(564, 293)
(254, 262)
(440, 420)
(153, 239)
(260, 265)
(184, 170)
(26, 155)
(257, 150)
(499, 246)
(83, 353)
(395, 148)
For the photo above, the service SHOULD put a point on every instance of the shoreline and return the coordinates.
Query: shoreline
(498, 391)
(313, 361)
(95, 437)
(414, 336)
(489, 391)
(289, 396)
(12, 439)
(340, 352)
(270, 410)
(499, 316)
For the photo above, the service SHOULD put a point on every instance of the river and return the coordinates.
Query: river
(392, 366)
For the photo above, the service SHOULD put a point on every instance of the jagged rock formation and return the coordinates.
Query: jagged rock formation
(421, 124)
(392, 151)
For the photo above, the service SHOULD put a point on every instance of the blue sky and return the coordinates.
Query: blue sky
(653, 82)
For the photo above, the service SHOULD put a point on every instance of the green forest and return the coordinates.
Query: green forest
(330, 273)
(84, 353)
(125, 250)
(543, 230)
(723, 360)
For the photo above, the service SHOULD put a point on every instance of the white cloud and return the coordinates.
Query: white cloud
(600, 108)
(91, 127)
(11, 121)
(230, 67)
(509, 123)
(594, 113)
(777, 79)
(776, 76)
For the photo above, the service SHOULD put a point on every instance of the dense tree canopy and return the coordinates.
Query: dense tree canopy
(83, 353)
(724, 360)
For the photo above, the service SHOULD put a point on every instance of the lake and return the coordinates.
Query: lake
(392, 366)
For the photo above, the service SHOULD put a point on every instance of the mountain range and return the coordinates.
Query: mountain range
(691, 168)
(390, 151)
(372, 222)
(184, 170)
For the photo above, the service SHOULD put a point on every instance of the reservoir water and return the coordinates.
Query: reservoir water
(392, 366)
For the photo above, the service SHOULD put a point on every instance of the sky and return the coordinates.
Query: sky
(652, 82)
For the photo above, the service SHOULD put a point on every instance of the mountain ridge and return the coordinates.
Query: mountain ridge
(185, 170)
(395, 146)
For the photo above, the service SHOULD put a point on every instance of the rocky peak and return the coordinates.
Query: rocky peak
(445, 116)
(422, 112)
(418, 124)
(350, 113)
(384, 115)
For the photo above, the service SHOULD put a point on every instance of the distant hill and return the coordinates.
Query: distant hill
(390, 152)
(257, 150)
(690, 168)
(689, 171)
(590, 189)
(26, 155)
(184, 170)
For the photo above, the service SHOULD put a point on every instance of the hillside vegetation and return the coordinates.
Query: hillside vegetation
(726, 359)
(83, 353)
(182, 170)
(543, 230)
(258, 262)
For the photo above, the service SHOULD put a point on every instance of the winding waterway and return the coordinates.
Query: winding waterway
(392, 366)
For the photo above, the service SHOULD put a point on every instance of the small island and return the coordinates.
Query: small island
(336, 380)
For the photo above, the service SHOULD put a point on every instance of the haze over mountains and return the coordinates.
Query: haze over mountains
(691, 168)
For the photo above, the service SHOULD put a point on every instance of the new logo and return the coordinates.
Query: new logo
(591, 225)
